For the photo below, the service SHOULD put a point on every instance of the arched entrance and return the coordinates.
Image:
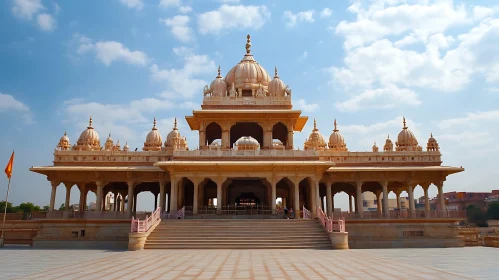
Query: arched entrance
(280, 132)
(246, 129)
(213, 132)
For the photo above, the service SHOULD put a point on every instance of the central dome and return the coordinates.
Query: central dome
(247, 74)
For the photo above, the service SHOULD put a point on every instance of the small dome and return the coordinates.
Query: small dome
(108, 146)
(89, 139)
(247, 143)
(247, 74)
(153, 139)
(64, 144)
(388, 145)
(315, 140)
(276, 86)
(117, 147)
(218, 87)
(126, 148)
(173, 135)
(406, 141)
(375, 148)
(432, 144)
(336, 140)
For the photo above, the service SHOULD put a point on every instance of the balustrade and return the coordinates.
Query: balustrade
(144, 226)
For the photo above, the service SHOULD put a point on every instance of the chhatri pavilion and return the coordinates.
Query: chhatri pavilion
(246, 158)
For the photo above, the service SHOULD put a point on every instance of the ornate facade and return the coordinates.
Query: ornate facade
(246, 153)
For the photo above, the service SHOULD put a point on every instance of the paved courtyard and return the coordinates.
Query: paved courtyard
(454, 263)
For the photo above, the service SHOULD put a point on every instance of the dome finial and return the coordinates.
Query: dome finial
(405, 126)
(154, 124)
(175, 124)
(248, 44)
(275, 71)
(431, 134)
(109, 134)
(388, 136)
(90, 123)
(65, 133)
(335, 125)
(315, 125)
(219, 72)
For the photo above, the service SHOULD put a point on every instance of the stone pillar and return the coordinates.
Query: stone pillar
(297, 209)
(356, 204)
(273, 196)
(68, 195)
(441, 198)
(410, 191)
(386, 207)
(267, 139)
(162, 197)
(290, 139)
(81, 203)
(314, 197)
(85, 197)
(329, 198)
(378, 202)
(174, 195)
(397, 195)
(135, 202)
(360, 206)
(426, 198)
(129, 206)
(202, 139)
(195, 202)
(219, 182)
(225, 139)
(98, 202)
(53, 194)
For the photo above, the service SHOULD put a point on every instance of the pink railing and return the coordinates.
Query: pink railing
(180, 214)
(145, 225)
(329, 224)
(306, 213)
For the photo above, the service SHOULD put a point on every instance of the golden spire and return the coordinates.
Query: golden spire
(154, 124)
(405, 126)
(90, 123)
(275, 71)
(335, 126)
(248, 44)
(219, 76)
(175, 124)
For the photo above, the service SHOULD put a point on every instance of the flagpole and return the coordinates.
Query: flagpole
(5, 214)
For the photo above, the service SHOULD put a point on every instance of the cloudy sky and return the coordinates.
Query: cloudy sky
(366, 63)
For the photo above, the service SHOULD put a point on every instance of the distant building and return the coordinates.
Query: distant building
(370, 203)
(461, 200)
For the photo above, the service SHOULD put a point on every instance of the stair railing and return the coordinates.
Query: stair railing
(180, 214)
(306, 213)
(325, 221)
(144, 225)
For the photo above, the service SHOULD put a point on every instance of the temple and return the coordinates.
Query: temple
(246, 158)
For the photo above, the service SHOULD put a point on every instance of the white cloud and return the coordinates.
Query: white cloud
(229, 1)
(306, 107)
(470, 119)
(386, 19)
(480, 12)
(109, 51)
(133, 4)
(57, 8)
(383, 98)
(292, 19)
(185, 9)
(228, 17)
(169, 3)
(179, 27)
(46, 22)
(26, 9)
(326, 12)
(185, 82)
(8, 104)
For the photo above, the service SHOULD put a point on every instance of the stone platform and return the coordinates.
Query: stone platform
(449, 263)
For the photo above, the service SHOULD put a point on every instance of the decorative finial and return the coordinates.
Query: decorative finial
(175, 124)
(90, 123)
(405, 126)
(374, 143)
(154, 124)
(65, 133)
(431, 134)
(388, 136)
(315, 125)
(335, 126)
(275, 71)
(248, 44)
(109, 134)
(219, 76)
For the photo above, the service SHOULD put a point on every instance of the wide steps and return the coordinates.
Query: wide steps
(238, 234)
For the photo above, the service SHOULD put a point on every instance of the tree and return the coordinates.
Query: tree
(62, 207)
(493, 211)
(10, 208)
(27, 207)
(45, 208)
(476, 216)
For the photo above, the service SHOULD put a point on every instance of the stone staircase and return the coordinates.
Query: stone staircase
(238, 234)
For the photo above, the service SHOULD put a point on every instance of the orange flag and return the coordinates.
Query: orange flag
(8, 168)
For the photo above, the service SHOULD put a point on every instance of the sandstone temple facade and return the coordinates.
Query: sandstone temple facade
(247, 157)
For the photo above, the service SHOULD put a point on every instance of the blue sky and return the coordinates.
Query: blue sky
(366, 63)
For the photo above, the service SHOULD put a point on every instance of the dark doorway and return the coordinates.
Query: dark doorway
(246, 129)
(213, 132)
(280, 132)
